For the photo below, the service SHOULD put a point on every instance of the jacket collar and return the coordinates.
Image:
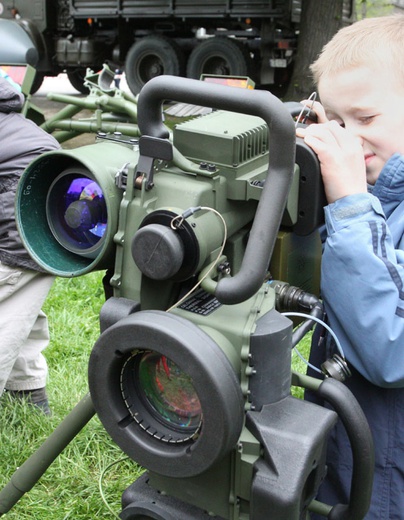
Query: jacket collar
(389, 187)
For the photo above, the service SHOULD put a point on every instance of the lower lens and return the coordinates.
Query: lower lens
(161, 397)
(76, 212)
(169, 391)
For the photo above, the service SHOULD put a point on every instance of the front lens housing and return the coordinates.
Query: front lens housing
(166, 392)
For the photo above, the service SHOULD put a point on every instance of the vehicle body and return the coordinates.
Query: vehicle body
(147, 38)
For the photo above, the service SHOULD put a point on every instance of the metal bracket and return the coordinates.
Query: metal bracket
(152, 148)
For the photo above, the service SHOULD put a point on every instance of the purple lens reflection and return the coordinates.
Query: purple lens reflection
(77, 212)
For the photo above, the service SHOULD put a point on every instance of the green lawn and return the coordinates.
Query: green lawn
(70, 487)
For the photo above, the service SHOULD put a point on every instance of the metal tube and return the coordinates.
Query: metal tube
(35, 466)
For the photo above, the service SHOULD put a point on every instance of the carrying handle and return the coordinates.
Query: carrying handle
(261, 242)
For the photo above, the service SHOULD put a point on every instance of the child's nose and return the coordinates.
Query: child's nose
(356, 131)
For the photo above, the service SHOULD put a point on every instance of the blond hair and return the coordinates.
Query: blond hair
(374, 42)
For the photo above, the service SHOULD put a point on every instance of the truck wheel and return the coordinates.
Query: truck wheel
(37, 83)
(220, 56)
(150, 57)
(76, 78)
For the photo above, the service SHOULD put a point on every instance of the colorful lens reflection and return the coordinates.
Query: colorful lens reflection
(77, 212)
(169, 391)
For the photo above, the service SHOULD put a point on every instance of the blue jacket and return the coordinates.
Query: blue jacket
(362, 285)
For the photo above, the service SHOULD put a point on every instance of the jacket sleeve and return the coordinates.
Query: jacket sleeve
(363, 288)
(10, 99)
(21, 142)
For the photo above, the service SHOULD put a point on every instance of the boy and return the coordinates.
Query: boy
(360, 146)
(23, 289)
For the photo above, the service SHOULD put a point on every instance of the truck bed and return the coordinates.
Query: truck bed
(178, 8)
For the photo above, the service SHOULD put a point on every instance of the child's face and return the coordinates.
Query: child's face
(369, 104)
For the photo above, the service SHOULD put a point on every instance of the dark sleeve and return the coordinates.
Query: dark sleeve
(10, 99)
(21, 141)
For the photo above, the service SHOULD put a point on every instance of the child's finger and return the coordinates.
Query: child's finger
(318, 108)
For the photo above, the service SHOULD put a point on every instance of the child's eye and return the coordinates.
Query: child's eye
(365, 120)
(336, 119)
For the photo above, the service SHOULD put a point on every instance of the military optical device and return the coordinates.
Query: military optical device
(191, 375)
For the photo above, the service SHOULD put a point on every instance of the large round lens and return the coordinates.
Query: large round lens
(169, 391)
(77, 213)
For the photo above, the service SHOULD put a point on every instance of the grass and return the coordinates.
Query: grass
(69, 489)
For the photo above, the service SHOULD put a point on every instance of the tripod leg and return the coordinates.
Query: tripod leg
(35, 466)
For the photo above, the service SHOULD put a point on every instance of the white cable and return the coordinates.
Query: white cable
(306, 361)
(327, 327)
(100, 485)
(181, 218)
(311, 98)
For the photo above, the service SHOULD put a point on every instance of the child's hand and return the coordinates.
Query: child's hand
(341, 158)
(317, 108)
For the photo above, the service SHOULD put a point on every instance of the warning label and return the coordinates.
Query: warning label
(201, 303)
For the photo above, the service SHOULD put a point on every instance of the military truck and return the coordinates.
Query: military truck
(147, 38)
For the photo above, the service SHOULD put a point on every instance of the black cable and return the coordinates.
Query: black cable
(360, 437)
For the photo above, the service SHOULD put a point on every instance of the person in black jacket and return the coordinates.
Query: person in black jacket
(23, 288)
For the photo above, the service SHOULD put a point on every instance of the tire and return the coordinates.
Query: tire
(219, 56)
(76, 78)
(150, 57)
(37, 83)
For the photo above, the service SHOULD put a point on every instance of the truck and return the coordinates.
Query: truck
(148, 38)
